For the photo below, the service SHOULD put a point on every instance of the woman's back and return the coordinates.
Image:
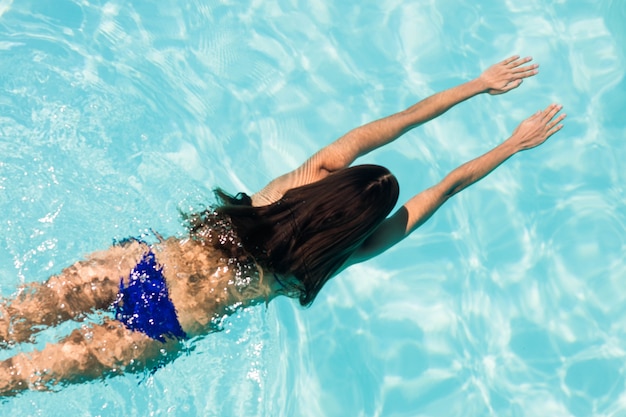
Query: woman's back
(205, 284)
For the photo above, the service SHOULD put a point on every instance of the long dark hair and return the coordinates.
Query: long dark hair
(312, 230)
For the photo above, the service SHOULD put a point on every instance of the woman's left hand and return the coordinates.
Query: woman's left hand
(506, 75)
(537, 128)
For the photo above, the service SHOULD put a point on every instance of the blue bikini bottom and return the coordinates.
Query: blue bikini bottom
(144, 304)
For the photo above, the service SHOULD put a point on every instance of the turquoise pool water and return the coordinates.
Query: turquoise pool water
(510, 301)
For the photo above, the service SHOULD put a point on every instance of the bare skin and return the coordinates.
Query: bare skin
(200, 286)
(200, 279)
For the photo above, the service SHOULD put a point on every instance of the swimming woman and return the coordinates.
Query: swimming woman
(288, 239)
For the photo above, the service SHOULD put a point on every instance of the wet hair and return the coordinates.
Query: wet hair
(307, 235)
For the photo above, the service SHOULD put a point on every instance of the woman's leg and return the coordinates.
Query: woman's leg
(79, 289)
(86, 354)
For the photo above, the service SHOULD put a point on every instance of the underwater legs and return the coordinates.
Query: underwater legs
(69, 295)
(88, 353)
(86, 286)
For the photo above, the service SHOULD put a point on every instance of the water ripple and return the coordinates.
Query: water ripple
(509, 301)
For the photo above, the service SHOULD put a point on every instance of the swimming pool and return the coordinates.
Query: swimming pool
(508, 302)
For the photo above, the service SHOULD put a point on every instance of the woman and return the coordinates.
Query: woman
(288, 239)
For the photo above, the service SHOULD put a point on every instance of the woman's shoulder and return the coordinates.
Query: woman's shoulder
(309, 172)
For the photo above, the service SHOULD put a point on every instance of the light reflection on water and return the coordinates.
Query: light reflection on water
(509, 301)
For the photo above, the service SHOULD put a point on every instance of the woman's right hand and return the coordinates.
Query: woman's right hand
(537, 128)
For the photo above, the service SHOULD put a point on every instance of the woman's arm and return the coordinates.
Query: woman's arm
(497, 79)
(530, 133)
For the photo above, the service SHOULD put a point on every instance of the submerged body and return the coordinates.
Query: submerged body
(289, 239)
(203, 285)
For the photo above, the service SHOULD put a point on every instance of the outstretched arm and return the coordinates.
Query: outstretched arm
(530, 133)
(497, 79)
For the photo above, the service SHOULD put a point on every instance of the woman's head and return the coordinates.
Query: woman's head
(312, 230)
